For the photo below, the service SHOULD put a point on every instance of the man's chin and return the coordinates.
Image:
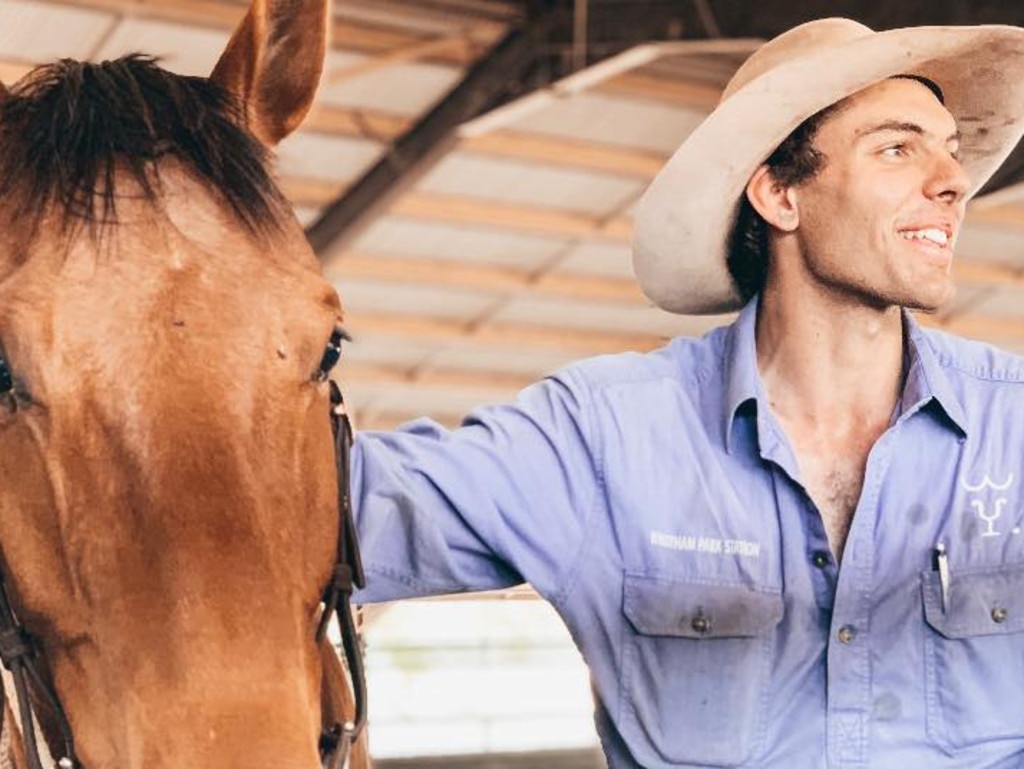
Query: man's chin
(922, 307)
(928, 299)
(929, 305)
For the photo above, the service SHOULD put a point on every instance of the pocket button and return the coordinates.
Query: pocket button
(701, 624)
(999, 614)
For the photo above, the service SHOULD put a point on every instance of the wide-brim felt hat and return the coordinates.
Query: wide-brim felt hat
(683, 221)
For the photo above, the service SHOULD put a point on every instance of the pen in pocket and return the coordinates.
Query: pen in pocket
(940, 563)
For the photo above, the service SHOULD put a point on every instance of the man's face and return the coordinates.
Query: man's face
(879, 220)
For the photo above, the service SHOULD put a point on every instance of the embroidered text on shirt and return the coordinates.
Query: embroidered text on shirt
(713, 545)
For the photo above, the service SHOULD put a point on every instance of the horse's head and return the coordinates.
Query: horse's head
(167, 491)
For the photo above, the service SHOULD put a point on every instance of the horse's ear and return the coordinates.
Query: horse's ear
(3, 93)
(273, 63)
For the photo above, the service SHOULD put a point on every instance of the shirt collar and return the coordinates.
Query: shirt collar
(742, 380)
(926, 379)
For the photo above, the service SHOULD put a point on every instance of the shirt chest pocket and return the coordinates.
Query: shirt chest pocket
(696, 667)
(974, 653)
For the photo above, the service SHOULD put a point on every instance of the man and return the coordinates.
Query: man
(687, 511)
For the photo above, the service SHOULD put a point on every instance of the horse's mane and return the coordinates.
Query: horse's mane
(69, 127)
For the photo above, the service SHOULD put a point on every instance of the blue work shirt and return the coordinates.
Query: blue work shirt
(656, 503)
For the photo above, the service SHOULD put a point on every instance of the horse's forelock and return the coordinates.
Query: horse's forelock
(69, 128)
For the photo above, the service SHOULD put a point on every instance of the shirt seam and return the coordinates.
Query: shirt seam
(946, 360)
(673, 579)
(560, 598)
(673, 365)
(415, 582)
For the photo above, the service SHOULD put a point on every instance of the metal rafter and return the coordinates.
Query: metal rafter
(496, 75)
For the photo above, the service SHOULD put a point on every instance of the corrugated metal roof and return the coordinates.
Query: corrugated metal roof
(510, 257)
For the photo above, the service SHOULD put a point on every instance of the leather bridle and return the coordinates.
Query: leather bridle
(336, 742)
(20, 652)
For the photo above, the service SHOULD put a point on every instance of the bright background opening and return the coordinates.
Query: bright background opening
(475, 677)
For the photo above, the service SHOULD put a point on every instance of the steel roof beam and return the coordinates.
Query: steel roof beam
(501, 73)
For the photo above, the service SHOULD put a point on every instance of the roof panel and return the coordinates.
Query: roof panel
(369, 351)
(1001, 302)
(529, 363)
(613, 260)
(968, 296)
(404, 89)
(588, 315)
(311, 155)
(362, 295)
(420, 21)
(613, 120)
(39, 33)
(307, 214)
(715, 69)
(992, 243)
(184, 49)
(489, 245)
(508, 181)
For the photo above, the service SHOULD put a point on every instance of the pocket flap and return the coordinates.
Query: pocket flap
(669, 607)
(978, 603)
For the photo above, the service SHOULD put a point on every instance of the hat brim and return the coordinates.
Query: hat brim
(683, 221)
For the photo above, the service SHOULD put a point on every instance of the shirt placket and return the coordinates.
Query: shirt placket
(849, 685)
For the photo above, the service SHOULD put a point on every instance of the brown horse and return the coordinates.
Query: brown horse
(168, 509)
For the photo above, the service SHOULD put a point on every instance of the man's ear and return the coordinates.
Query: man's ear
(273, 64)
(774, 202)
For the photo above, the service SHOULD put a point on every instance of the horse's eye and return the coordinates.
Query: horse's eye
(332, 353)
(6, 380)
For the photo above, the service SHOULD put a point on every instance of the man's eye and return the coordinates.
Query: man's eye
(895, 150)
(332, 353)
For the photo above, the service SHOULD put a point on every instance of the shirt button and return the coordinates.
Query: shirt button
(999, 614)
(820, 559)
(701, 624)
(846, 634)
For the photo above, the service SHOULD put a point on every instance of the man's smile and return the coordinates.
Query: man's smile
(931, 234)
(933, 238)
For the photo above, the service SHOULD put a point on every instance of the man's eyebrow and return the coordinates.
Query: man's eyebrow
(896, 125)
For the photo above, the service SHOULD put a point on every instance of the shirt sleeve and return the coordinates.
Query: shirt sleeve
(503, 499)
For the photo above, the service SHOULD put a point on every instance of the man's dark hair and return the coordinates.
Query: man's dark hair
(794, 161)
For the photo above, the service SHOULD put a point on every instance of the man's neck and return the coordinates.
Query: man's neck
(829, 363)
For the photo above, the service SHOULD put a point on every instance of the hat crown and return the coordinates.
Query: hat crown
(798, 42)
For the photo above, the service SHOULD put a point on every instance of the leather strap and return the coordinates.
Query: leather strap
(336, 742)
(18, 652)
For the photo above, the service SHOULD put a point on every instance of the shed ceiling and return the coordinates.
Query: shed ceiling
(509, 256)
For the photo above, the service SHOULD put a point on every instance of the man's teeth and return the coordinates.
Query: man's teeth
(934, 235)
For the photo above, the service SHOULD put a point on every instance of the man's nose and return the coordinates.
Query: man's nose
(949, 181)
